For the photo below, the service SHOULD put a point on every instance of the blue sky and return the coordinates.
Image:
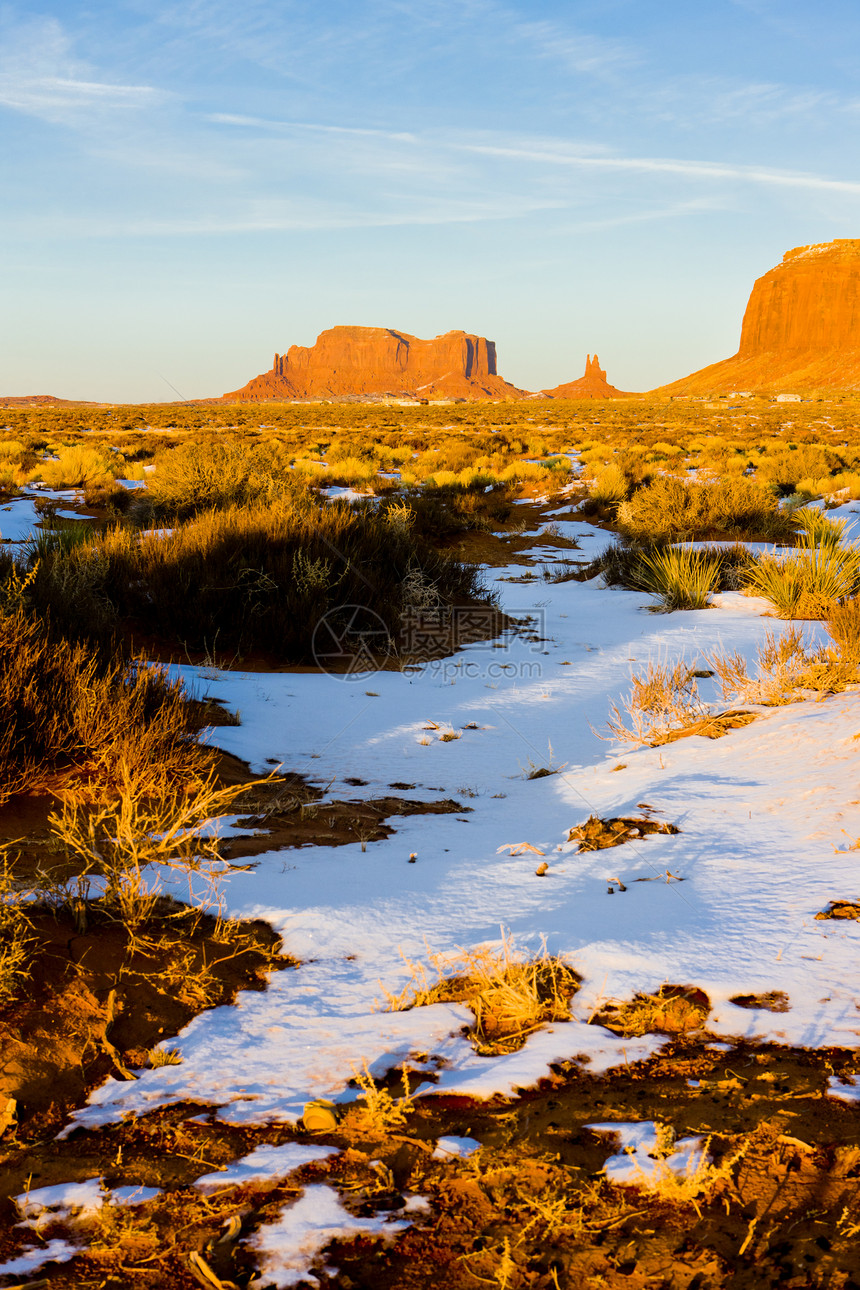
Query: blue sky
(189, 187)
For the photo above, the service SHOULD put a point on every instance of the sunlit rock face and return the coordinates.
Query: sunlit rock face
(380, 361)
(593, 385)
(801, 329)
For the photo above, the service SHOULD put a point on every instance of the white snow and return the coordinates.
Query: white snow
(452, 1148)
(289, 1246)
(640, 1160)
(56, 1251)
(266, 1163)
(849, 1092)
(65, 1201)
(761, 813)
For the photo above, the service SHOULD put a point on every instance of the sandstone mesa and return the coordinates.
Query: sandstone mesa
(378, 361)
(801, 328)
(381, 361)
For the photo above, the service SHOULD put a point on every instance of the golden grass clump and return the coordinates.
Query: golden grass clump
(662, 698)
(673, 1010)
(681, 577)
(510, 994)
(808, 582)
(69, 721)
(77, 467)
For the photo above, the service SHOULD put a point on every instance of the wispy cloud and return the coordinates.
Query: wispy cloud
(667, 166)
(266, 123)
(40, 77)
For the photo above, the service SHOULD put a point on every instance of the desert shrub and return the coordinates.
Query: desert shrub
(681, 577)
(509, 993)
(78, 467)
(257, 577)
(68, 720)
(442, 512)
(15, 930)
(843, 627)
(610, 486)
(196, 477)
(662, 698)
(785, 469)
(625, 564)
(807, 582)
(671, 508)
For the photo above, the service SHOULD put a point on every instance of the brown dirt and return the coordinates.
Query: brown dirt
(300, 819)
(97, 999)
(532, 1210)
(597, 834)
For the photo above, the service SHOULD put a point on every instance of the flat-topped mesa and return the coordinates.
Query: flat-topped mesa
(801, 328)
(593, 385)
(380, 361)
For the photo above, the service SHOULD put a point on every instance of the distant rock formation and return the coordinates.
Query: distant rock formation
(801, 329)
(30, 400)
(380, 361)
(593, 385)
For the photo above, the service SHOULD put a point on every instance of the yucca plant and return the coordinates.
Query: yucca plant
(817, 530)
(809, 582)
(681, 577)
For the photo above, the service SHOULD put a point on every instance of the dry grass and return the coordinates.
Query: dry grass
(378, 1112)
(673, 1010)
(147, 824)
(785, 672)
(15, 929)
(68, 720)
(662, 699)
(510, 994)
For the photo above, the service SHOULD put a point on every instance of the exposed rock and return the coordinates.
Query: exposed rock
(593, 385)
(801, 329)
(380, 361)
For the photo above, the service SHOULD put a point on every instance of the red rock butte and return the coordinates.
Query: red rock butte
(801, 329)
(380, 361)
(593, 385)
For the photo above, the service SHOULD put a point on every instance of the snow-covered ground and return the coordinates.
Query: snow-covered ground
(765, 816)
(728, 904)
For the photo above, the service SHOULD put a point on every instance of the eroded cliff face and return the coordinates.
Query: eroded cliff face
(593, 385)
(801, 328)
(378, 361)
